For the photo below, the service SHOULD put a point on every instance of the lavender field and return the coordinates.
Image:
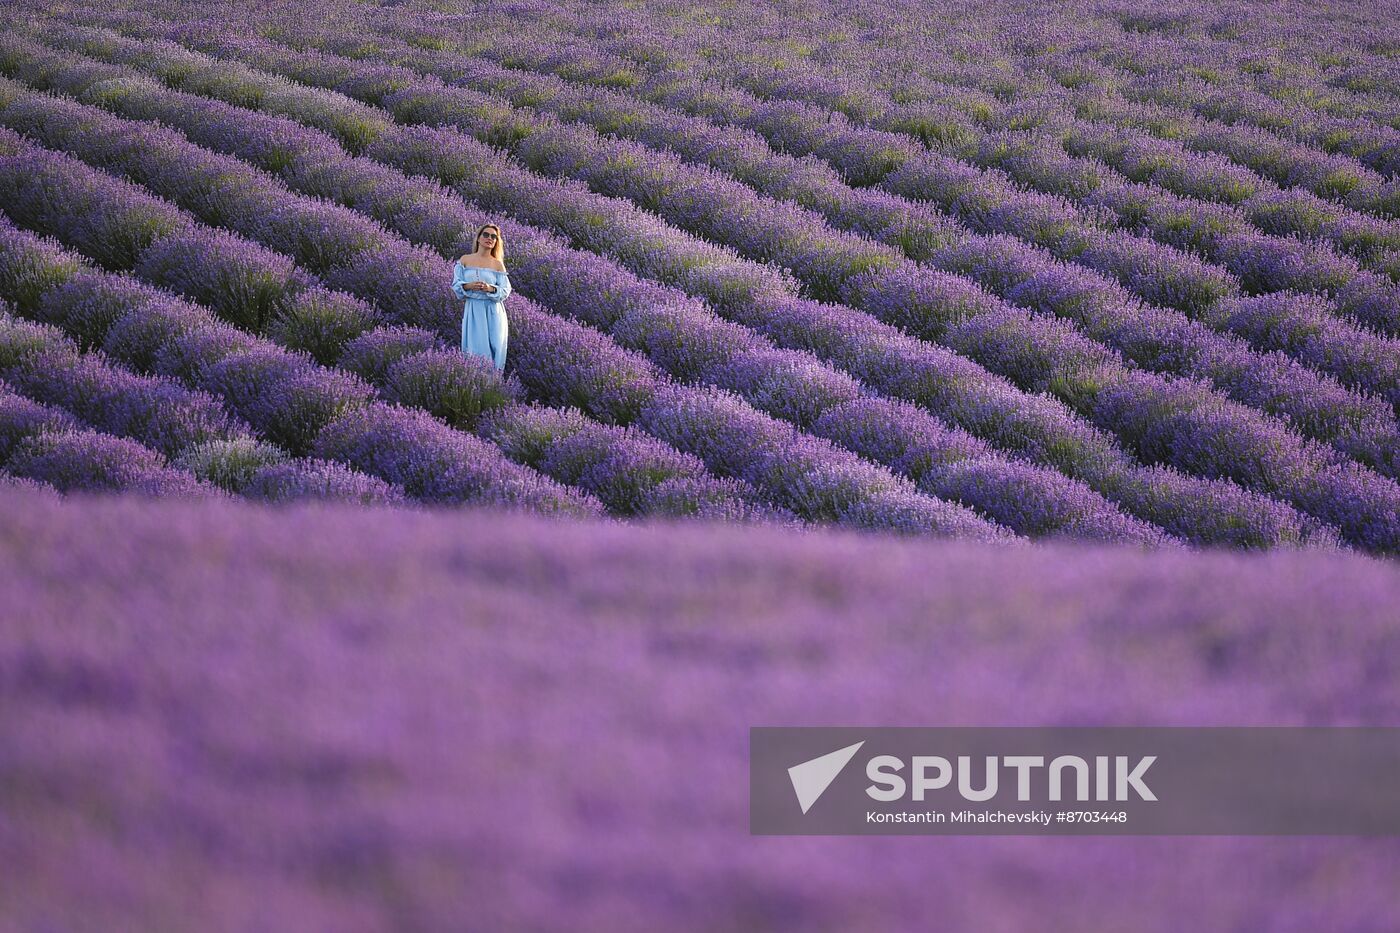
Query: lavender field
(903, 364)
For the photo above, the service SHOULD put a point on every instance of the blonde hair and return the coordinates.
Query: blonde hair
(498, 251)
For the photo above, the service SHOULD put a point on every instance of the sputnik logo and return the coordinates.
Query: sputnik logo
(810, 779)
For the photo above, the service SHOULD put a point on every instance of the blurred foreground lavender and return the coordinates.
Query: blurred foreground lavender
(221, 717)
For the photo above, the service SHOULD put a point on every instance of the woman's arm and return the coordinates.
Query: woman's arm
(498, 292)
(459, 279)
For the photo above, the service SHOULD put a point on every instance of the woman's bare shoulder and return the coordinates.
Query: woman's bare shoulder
(488, 262)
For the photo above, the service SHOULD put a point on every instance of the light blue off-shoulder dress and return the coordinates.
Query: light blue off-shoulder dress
(484, 326)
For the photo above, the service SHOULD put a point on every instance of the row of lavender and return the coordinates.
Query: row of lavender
(1338, 178)
(1375, 146)
(46, 447)
(1307, 82)
(1227, 518)
(1015, 78)
(100, 427)
(1269, 64)
(256, 289)
(1334, 48)
(1352, 158)
(1089, 164)
(565, 53)
(43, 447)
(1318, 479)
(1219, 208)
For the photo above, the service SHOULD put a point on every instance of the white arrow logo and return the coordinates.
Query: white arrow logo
(811, 778)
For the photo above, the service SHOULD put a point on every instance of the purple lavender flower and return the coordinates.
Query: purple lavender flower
(788, 384)
(230, 463)
(108, 220)
(321, 322)
(302, 480)
(90, 461)
(455, 387)
(90, 303)
(564, 363)
(21, 418)
(374, 353)
(286, 397)
(412, 449)
(243, 283)
(632, 473)
(160, 414)
(32, 265)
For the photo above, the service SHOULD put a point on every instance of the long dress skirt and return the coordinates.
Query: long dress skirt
(484, 330)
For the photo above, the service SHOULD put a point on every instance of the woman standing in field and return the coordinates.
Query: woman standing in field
(479, 278)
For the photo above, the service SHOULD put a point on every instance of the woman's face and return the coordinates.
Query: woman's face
(486, 240)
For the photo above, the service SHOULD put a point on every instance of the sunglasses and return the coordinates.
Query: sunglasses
(489, 236)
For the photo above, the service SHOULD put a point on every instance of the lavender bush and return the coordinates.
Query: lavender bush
(22, 418)
(456, 388)
(657, 481)
(40, 362)
(321, 323)
(85, 460)
(321, 480)
(430, 461)
(231, 463)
